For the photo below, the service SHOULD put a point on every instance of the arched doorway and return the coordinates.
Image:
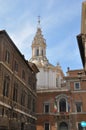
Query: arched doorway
(63, 126)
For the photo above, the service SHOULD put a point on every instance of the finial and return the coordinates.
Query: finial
(57, 63)
(38, 21)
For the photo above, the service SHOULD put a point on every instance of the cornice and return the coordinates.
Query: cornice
(52, 90)
(17, 110)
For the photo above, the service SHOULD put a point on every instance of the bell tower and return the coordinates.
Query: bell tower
(39, 47)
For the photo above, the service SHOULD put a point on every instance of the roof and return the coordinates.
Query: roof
(34, 67)
(4, 33)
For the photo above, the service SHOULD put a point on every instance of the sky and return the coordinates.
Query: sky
(60, 24)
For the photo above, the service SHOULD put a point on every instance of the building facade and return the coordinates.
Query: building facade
(65, 107)
(60, 99)
(76, 81)
(17, 88)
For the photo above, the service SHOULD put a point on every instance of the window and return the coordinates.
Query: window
(46, 126)
(23, 98)
(16, 66)
(33, 105)
(6, 86)
(22, 126)
(23, 74)
(29, 101)
(46, 107)
(57, 82)
(4, 111)
(77, 85)
(15, 92)
(7, 56)
(62, 105)
(1, 111)
(29, 80)
(14, 115)
(80, 127)
(78, 106)
(42, 52)
(37, 52)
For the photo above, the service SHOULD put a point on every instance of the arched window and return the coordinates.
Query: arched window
(62, 105)
(42, 52)
(63, 126)
(37, 53)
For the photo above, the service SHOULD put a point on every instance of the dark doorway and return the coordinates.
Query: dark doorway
(63, 126)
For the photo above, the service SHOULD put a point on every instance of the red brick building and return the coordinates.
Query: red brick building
(65, 107)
